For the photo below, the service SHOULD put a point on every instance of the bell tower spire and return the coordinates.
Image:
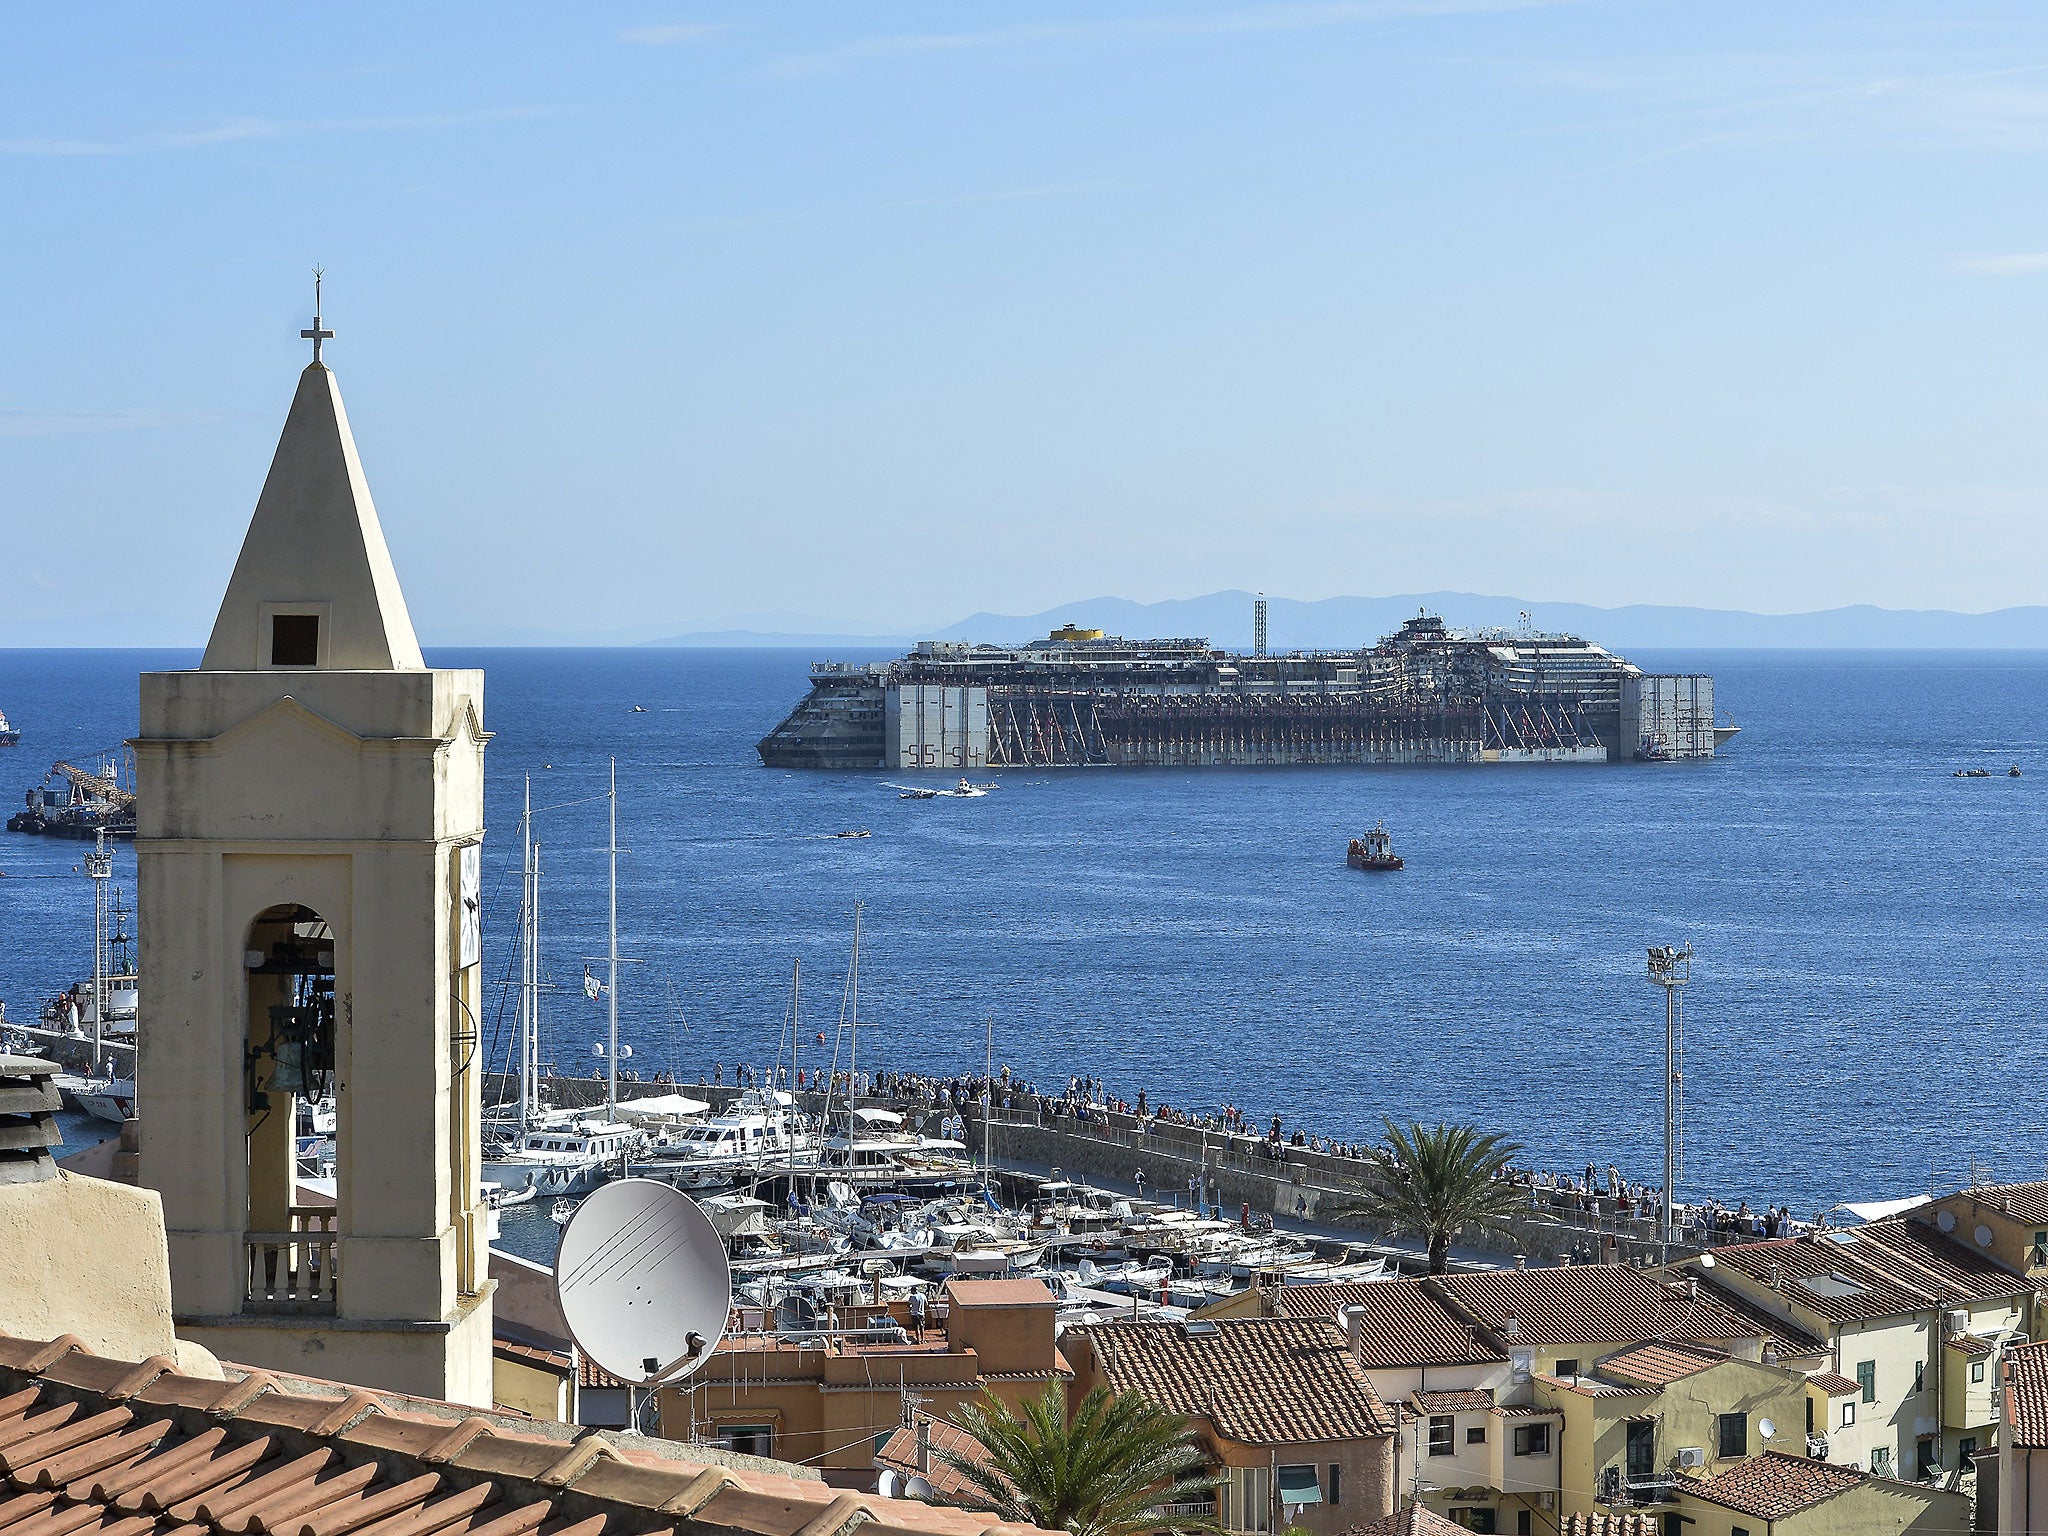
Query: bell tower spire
(307, 849)
(314, 585)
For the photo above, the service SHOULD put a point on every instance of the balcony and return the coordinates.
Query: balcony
(1623, 1492)
(295, 1271)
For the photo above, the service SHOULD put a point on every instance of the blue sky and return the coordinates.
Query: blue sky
(693, 316)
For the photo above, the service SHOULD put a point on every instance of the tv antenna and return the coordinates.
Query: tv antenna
(644, 1283)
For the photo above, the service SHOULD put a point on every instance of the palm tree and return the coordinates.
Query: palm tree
(1106, 1469)
(1437, 1182)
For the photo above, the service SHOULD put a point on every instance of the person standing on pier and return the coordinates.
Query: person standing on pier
(917, 1313)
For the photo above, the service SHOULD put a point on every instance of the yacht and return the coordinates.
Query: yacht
(569, 1159)
(758, 1128)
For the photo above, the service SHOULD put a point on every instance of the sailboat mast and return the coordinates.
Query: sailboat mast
(612, 987)
(853, 1051)
(529, 1069)
(796, 998)
(988, 1103)
(528, 993)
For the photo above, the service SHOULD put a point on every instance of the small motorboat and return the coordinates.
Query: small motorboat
(918, 794)
(1973, 773)
(2013, 772)
(854, 832)
(1374, 851)
(639, 709)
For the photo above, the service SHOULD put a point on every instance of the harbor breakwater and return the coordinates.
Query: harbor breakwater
(1237, 1175)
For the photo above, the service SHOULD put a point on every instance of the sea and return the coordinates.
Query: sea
(1865, 1018)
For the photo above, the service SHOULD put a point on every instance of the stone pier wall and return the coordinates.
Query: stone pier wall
(1300, 1186)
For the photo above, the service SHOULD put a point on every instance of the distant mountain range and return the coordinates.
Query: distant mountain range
(1225, 618)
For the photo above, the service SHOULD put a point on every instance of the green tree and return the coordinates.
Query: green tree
(1437, 1182)
(1106, 1469)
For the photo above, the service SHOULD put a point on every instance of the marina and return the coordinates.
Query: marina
(1142, 926)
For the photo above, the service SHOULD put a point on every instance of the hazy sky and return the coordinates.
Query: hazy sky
(888, 312)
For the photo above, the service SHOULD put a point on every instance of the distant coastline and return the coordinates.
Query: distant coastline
(1222, 617)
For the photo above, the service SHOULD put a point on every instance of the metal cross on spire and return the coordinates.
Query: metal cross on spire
(316, 335)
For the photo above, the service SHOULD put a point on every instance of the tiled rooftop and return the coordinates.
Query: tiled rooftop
(1968, 1344)
(1883, 1269)
(2023, 1202)
(1634, 1522)
(1660, 1364)
(112, 1448)
(2026, 1395)
(1259, 1380)
(1579, 1304)
(1836, 1386)
(1470, 1400)
(1791, 1340)
(899, 1453)
(1415, 1520)
(1773, 1486)
(1403, 1324)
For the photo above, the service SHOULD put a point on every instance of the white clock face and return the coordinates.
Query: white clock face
(472, 881)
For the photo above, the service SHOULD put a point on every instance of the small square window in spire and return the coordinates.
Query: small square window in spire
(295, 640)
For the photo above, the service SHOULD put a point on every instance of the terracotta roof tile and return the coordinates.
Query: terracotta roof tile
(2026, 1395)
(1577, 1304)
(1882, 1269)
(1969, 1344)
(1789, 1339)
(1835, 1386)
(1402, 1324)
(1468, 1400)
(1259, 1380)
(261, 1456)
(899, 1454)
(1659, 1364)
(1415, 1520)
(2026, 1203)
(1633, 1522)
(1774, 1486)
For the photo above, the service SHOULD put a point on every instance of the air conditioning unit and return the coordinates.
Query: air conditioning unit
(1958, 1320)
(1691, 1456)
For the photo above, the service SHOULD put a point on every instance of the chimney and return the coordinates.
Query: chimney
(1511, 1329)
(28, 1127)
(924, 1443)
(1774, 1277)
(1351, 1319)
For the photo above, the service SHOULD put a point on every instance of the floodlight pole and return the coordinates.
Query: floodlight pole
(1670, 969)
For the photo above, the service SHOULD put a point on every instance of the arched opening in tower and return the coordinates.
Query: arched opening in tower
(293, 1121)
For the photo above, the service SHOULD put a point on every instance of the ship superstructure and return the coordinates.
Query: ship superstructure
(1425, 694)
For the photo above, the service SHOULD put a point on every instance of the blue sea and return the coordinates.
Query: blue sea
(1865, 1016)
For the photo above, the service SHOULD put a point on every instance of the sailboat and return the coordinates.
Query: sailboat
(549, 1153)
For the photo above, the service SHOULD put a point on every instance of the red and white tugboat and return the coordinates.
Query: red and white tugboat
(1375, 850)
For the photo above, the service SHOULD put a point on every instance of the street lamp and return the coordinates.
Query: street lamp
(1671, 969)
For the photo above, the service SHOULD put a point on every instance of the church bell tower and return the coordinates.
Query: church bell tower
(310, 815)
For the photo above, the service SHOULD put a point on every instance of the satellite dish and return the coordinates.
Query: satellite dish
(1767, 1429)
(643, 1281)
(917, 1487)
(890, 1484)
(1706, 1261)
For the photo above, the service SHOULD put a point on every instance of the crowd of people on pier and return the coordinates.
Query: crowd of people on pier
(1087, 1101)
